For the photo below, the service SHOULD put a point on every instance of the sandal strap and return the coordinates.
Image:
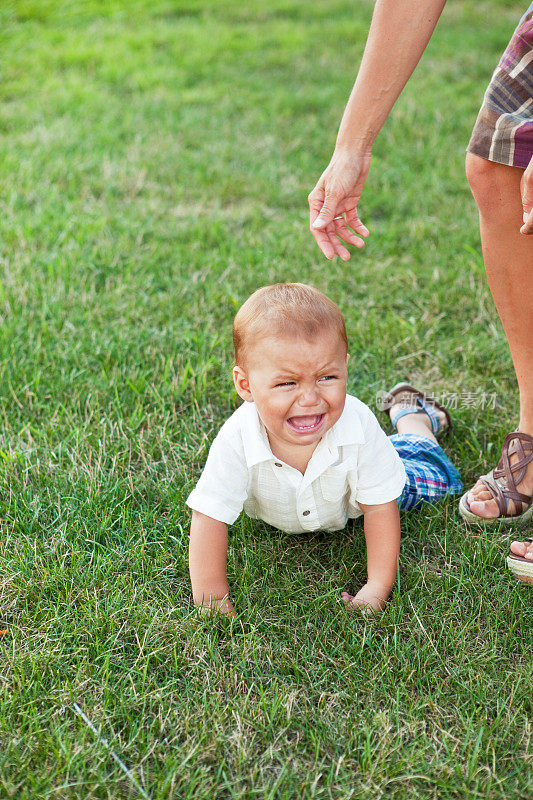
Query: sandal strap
(432, 414)
(520, 444)
(391, 397)
(496, 493)
(425, 408)
(515, 443)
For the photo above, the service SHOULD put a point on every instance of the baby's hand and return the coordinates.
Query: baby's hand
(223, 606)
(368, 599)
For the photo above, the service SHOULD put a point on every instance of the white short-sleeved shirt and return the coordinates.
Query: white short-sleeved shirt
(354, 462)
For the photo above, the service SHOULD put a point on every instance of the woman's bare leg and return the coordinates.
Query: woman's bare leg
(508, 257)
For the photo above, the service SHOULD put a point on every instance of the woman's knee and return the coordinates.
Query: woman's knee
(482, 180)
(493, 185)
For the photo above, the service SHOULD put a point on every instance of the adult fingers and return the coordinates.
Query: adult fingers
(323, 240)
(352, 219)
(526, 190)
(340, 249)
(321, 236)
(527, 227)
(316, 201)
(327, 212)
(330, 244)
(329, 240)
(344, 233)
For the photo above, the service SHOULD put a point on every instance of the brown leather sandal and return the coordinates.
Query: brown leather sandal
(522, 568)
(501, 483)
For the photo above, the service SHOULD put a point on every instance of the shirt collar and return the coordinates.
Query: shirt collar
(347, 430)
(256, 444)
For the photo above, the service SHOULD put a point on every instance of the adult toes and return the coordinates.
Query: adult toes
(484, 508)
(481, 495)
(522, 549)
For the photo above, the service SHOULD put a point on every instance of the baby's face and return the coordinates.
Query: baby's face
(298, 386)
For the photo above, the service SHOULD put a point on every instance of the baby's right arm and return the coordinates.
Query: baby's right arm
(208, 548)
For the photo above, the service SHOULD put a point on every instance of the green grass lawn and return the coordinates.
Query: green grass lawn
(155, 163)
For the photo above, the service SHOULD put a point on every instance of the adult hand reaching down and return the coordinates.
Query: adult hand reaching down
(336, 194)
(398, 36)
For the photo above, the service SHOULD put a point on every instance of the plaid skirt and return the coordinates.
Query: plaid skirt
(504, 128)
(430, 473)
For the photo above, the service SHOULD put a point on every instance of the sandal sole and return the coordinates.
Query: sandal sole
(469, 516)
(522, 570)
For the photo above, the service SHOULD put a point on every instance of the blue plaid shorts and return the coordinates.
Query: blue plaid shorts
(430, 473)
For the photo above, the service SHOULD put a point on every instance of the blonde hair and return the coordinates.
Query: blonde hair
(286, 310)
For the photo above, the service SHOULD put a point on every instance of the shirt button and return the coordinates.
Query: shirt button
(277, 464)
(305, 513)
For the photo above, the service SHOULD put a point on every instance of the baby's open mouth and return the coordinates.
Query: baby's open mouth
(308, 424)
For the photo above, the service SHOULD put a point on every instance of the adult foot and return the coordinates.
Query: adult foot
(523, 549)
(481, 502)
(520, 561)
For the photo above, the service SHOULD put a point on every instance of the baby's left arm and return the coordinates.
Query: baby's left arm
(382, 534)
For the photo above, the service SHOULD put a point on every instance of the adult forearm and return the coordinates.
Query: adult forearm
(399, 34)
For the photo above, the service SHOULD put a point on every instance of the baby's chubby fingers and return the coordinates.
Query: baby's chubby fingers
(347, 598)
(366, 600)
(353, 604)
(212, 611)
(217, 607)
